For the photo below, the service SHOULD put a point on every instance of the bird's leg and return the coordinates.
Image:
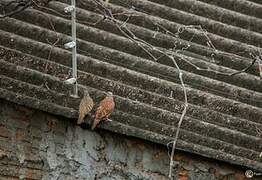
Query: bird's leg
(106, 119)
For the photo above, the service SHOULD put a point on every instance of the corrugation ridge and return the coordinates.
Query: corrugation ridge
(241, 6)
(256, 1)
(159, 86)
(153, 126)
(250, 82)
(124, 44)
(133, 131)
(146, 108)
(216, 13)
(55, 54)
(140, 133)
(216, 27)
(234, 122)
(229, 46)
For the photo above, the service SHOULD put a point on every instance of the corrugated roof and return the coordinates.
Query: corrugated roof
(224, 116)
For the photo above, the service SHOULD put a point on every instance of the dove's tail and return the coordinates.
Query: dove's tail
(80, 120)
(95, 122)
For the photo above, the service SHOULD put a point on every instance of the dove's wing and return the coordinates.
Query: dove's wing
(104, 110)
(86, 105)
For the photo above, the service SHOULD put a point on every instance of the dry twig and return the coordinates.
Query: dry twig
(16, 6)
(146, 46)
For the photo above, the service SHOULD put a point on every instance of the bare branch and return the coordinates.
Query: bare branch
(19, 7)
(141, 43)
(16, 6)
(180, 120)
(245, 69)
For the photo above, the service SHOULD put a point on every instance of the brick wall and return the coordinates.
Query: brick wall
(37, 145)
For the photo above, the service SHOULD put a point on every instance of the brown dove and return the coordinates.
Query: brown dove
(105, 108)
(85, 106)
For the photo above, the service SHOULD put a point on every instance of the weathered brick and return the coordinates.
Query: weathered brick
(5, 145)
(240, 176)
(35, 142)
(13, 171)
(37, 120)
(8, 178)
(183, 178)
(16, 122)
(60, 149)
(24, 110)
(3, 120)
(3, 153)
(36, 133)
(50, 150)
(20, 135)
(30, 161)
(33, 174)
(4, 132)
(9, 170)
(59, 138)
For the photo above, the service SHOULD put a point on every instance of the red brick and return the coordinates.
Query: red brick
(20, 135)
(29, 174)
(33, 174)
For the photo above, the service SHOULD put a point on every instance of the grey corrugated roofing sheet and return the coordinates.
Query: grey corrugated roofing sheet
(224, 116)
